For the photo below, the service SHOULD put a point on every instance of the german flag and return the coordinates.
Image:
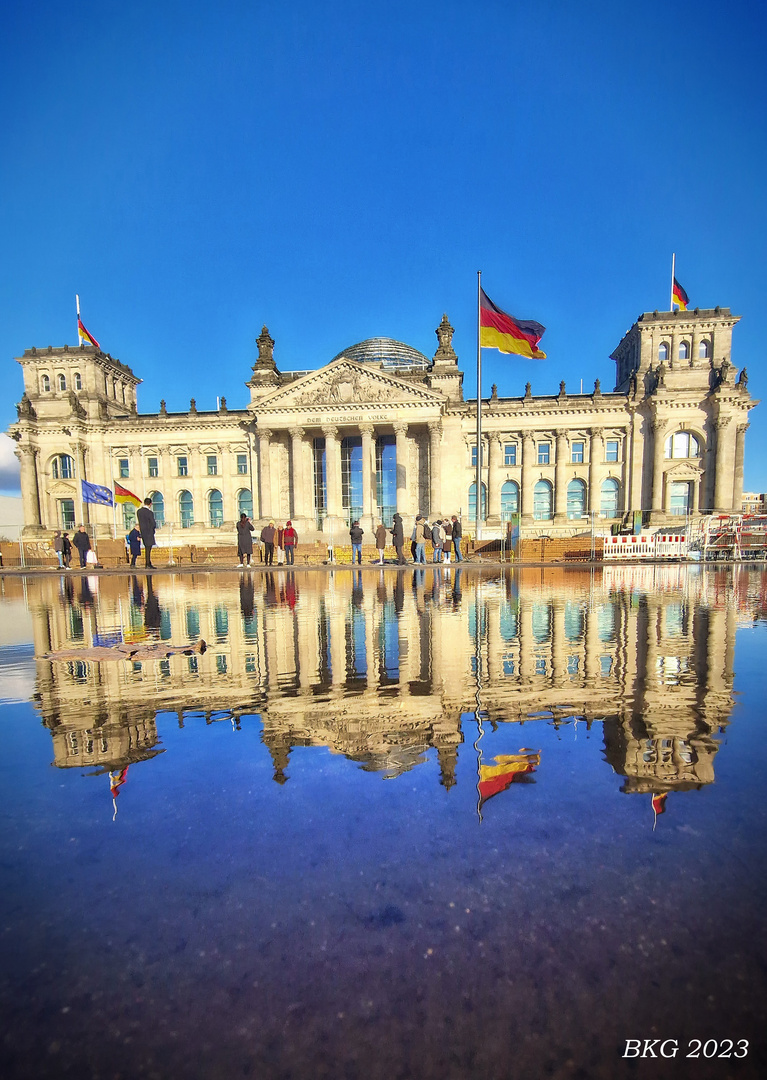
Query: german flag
(122, 495)
(85, 335)
(507, 768)
(499, 330)
(679, 297)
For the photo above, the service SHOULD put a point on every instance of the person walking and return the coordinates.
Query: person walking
(436, 539)
(82, 542)
(147, 525)
(457, 534)
(244, 539)
(66, 550)
(58, 547)
(381, 542)
(290, 540)
(134, 545)
(398, 539)
(268, 534)
(356, 537)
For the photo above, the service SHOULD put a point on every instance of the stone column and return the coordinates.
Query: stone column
(592, 645)
(724, 468)
(658, 430)
(596, 456)
(493, 480)
(81, 475)
(740, 447)
(332, 471)
(300, 501)
(525, 635)
(435, 468)
(558, 644)
(560, 478)
(30, 498)
(264, 473)
(400, 431)
(368, 477)
(526, 494)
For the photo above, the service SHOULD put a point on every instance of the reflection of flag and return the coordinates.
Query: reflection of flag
(679, 297)
(501, 331)
(116, 781)
(94, 493)
(122, 495)
(507, 769)
(659, 803)
(85, 335)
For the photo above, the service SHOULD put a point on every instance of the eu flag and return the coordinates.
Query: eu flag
(94, 493)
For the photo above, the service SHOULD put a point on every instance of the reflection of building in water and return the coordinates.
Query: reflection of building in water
(381, 666)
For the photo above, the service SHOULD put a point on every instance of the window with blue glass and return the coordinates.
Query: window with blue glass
(474, 457)
(473, 502)
(609, 504)
(611, 450)
(351, 477)
(386, 477)
(576, 499)
(510, 454)
(123, 468)
(63, 467)
(509, 500)
(186, 509)
(319, 470)
(245, 502)
(216, 509)
(544, 453)
(242, 464)
(543, 501)
(576, 452)
(158, 507)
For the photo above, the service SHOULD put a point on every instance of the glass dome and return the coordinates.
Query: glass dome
(386, 351)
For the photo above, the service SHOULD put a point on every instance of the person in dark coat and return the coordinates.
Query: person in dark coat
(66, 550)
(82, 542)
(356, 537)
(436, 539)
(146, 526)
(134, 545)
(244, 539)
(381, 541)
(58, 547)
(457, 534)
(268, 534)
(398, 539)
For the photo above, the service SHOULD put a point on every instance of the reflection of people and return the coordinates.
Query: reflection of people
(267, 539)
(134, 545)
(290, 540)
(82, 542)
(247, 595)
(381, 541)
(244, 539)
(355, 534)
(152, 613)
(147, 525)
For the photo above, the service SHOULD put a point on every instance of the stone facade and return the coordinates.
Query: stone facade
(321, 446)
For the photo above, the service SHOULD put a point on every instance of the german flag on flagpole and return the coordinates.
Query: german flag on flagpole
(122, 495)
(85, 335)
(499, 330)
(679, 297)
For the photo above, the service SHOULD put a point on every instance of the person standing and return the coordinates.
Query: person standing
(436, 539)
(356, 537)
(66, 550)
(268, 534)
(280, 538)
(146, 526)
(244, 539)
(398, 539)
(58, 547)
(381, 542)
(134, 545)
(447, 540)
(419, 552)
(290, 540)
(457, 534)
(82, 542)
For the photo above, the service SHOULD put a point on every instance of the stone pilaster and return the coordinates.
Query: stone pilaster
(528, 481)
(725, 465)
(658, 434)
(368, 476)
(435, 468)
(264, 473)
(400, 432)
(596, 455)
(30, 496)
(300, 500)
(493, 480)
(740, 448)
(560, 477)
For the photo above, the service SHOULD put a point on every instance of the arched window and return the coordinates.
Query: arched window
(509, 500)
(61, 380)
(245, 502)
(663, 353)
(158, 507)
(608, 505)
(45, 383)
(186, 509)
(682, 445)
(684, 351)
(473, 502)
(216, 509)
(78, 381)
(542, 501)
(576, 499)
(63, 467)
(704, 350)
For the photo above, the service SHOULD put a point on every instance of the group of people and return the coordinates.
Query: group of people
(444, 534)
(62, 546)
(143, 532)
(283, 538)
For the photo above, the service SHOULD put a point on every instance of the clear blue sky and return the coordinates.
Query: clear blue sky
(341, 171)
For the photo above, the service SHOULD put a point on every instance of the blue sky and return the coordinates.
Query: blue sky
(341, 171)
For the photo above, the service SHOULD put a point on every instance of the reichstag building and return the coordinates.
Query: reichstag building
(382, 428)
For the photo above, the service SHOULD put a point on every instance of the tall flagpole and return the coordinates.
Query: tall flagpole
(478, 486)
(79, 335)
(673, 275)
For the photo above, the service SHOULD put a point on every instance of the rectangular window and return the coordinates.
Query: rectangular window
(183, 466)
(576, 453)
(212, 465)
(242, 464)
(474, 457)
(544, 453)
(510, 454)
(611, 450)
(67, 513)
(129, 516)
(123, 468)
(154, 469)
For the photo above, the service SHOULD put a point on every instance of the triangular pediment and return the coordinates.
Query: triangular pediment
(345, 383)
(59, 489)
(684, 470)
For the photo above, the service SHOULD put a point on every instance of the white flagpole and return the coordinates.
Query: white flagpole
(79, 335)
(673, 275)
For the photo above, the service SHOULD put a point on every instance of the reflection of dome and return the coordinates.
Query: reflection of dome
(386, 351)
